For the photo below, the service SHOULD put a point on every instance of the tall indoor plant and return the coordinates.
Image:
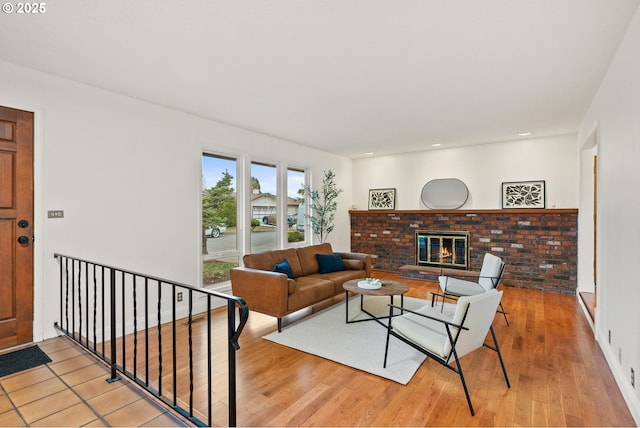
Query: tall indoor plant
(323, 206)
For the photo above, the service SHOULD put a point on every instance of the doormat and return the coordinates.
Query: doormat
(23, 359)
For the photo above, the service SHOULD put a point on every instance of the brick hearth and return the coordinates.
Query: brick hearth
(539, 246)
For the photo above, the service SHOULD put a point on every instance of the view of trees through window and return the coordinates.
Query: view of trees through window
(219, 219)
(220, 237)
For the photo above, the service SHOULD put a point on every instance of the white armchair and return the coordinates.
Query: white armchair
(447, 333)
(488, 279)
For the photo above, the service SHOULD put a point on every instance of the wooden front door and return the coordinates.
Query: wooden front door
(16, 227)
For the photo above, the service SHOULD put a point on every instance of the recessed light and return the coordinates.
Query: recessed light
(524, 134)
(436, 145)
(369, 153)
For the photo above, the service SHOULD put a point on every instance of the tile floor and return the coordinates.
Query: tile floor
(72, 391)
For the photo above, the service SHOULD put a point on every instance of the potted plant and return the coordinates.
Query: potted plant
(323, 206)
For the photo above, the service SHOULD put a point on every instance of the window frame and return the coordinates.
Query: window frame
(242, 177)
(234, 253)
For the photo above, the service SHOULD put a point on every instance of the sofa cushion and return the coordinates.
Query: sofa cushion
(340, 277)
(307, 257)
(291, 285)
(268, 259)
(284, 267)
(353, 264)
(309, 290)
(328, 263)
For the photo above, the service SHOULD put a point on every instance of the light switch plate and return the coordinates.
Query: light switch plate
(55, 214)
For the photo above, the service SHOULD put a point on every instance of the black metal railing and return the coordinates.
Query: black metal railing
(143, 328)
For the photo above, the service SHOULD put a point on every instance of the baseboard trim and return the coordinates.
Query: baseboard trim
(628, 392)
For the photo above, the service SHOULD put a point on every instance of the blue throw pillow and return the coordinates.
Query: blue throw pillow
(284, 267)
(329, 263)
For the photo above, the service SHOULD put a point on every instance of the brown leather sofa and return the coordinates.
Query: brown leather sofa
(275, 294)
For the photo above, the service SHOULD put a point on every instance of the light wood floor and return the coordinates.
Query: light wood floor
(558, 375)
(558, 378)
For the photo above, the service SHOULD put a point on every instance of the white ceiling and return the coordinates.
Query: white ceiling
(346, 76)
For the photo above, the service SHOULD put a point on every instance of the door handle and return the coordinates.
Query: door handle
(23, 239)
(23, 224)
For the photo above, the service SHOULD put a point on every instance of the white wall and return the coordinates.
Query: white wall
(482, 168)
(614, 115)
(128, 175)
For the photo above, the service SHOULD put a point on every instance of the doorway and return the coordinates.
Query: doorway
(587, 221)
(16, 227)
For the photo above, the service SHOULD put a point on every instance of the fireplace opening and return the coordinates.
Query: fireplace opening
(442, 249)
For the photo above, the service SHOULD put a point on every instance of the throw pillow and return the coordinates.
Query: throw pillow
(284, 267)
(329, 263)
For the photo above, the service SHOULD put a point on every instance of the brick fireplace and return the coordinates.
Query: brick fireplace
(539, 246)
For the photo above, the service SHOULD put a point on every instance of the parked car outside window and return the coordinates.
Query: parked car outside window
(215, 231)
(271, 220)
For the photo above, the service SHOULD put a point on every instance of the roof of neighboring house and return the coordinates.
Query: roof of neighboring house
(271, 197)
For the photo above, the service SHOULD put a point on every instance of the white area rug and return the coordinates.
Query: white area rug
(358, 345)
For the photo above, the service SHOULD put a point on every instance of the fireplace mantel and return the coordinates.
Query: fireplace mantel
(538, 245)
(516, 211)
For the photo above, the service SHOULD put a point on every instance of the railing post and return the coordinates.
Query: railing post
(231, 326)
(61, 282)
(112, 322)
(209, 362)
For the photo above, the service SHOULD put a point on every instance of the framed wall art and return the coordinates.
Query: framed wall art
(382, 199)
(523, 194)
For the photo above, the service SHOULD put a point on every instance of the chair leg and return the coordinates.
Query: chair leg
(497, 349)
(279, 325)
(504, 314)
(386, 352)
(464, 384)
(386, 348)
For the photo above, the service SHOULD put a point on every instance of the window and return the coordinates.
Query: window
(295, 206)
(219, 218)
(264, 207)
(275, 221)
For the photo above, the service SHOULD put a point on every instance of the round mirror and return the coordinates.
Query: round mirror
(444, 194)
